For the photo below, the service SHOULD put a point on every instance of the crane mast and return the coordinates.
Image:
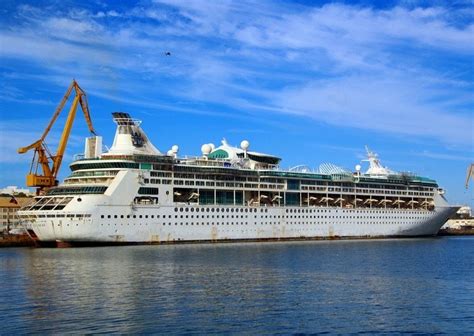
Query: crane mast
(42, 157)
(470, 174)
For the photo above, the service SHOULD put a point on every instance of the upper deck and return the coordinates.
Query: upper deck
(236, 175)
(223, 166)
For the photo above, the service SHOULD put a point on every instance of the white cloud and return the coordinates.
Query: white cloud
(395, 105)
(339, 64)
(444, 156)
(365, 25)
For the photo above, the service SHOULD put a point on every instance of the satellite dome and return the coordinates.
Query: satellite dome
(206, 149)
(212, 146)
(170, 153)
(175, 149)
(358, 167)
(244, 145)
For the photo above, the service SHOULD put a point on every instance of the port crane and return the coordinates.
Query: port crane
(470, 174)
(42, 157)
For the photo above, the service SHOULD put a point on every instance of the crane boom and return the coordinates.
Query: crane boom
(85, 109)
(470, 174)
(41, 155)
(57, 159)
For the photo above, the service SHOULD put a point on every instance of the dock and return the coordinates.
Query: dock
(16, 240)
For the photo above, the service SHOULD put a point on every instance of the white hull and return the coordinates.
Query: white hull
(169, 224)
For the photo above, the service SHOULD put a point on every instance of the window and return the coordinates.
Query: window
(292, 199)
(224, 197)
(148, 191)
(206, 197)
(293, 184)
(77, 190)
(101, 165)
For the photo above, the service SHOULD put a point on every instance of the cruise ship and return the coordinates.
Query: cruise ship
(134, 193)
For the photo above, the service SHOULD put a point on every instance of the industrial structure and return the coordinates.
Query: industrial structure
(470, 174)
(42, 157)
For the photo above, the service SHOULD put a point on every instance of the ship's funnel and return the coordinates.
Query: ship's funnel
(130, 138)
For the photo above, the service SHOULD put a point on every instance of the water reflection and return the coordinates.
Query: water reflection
(342, 286)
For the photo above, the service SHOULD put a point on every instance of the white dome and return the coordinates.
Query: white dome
(244, 145)
(170, 153)
(212, 146)
(175, 149)
(206, 149)
(358, 167)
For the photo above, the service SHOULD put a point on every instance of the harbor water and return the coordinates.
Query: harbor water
(399, 285)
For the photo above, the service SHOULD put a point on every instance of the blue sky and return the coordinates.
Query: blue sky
(309, 81)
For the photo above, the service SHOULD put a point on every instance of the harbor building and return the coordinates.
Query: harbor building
(9, 205)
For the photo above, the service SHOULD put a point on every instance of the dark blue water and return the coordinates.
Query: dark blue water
(412, 285)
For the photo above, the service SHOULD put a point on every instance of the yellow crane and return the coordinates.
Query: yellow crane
(42, 156)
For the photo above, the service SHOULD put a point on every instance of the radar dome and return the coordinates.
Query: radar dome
(244, 145)
(358, 167)
(170, 153)
(212, 146)
(175, 149)
(206, 149)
